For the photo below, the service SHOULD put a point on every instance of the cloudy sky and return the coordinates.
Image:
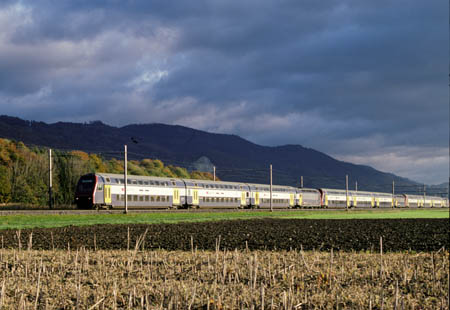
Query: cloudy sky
(363, 81)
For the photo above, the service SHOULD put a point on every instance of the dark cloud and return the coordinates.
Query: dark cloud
(365, 81)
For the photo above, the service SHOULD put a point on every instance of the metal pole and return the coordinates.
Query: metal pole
(393, 193)
(346, 192)
(271, 209)
(301, 182)
(356, 186)
(50, 182)
(214, 169)
(125, 175)
(424, 190)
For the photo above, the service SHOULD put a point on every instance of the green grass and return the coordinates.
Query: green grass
(31, 221)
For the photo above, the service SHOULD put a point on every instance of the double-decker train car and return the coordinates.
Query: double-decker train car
(108, 190)
(282, 196)
(336, 198)
(414, 201)
(216, 194)
(308, 198)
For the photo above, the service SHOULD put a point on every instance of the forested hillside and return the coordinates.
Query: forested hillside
(24, 172)
(235, 158)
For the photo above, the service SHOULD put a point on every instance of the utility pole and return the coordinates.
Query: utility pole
(346, 192)
(424, 191)
(50, 183)
(393, 193)
(125, 176)
(356, 186)
(271, 208)
(214, 169)
(301, 182)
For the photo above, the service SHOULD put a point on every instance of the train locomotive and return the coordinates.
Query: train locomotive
(106, 190)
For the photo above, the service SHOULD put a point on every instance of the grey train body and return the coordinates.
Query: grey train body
(105, 190)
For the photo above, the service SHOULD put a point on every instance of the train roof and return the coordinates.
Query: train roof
(133, 176)
(353, 192)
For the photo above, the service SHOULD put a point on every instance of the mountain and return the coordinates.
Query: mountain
(236, 159)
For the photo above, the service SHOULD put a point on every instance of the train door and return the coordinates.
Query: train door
(377, 202)
(243, 200)
(291, 200)
(355, 202)
(107, 194)
(195, 197)
(176, 196)
(373, 202)
(325, 203)
(300, 200)
(257, 198)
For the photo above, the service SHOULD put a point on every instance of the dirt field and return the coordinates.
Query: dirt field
(263, 234)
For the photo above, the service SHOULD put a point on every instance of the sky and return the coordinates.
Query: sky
(363, 81)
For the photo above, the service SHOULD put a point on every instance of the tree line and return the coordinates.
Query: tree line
(24, 172)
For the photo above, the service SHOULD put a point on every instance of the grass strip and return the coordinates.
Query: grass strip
(43, 221)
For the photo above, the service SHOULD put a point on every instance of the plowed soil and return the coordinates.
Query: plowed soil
(262, 234)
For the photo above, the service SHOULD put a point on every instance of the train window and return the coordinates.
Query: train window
(134, 181)
(158, 198)
(152, 198)
(118, 197)
(207, 186)
(146, 198)
(163, 198)
(141, 198)
(129, 197)
(135, 197)
(156, 182)
(107, 180)
(173, 183)
(99, 188)
(145, 182)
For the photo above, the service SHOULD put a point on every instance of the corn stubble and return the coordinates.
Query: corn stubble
(139, 279)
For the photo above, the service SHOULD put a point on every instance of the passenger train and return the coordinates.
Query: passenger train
(105, 190)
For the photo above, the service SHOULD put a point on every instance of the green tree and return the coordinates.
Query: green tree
(5, 185)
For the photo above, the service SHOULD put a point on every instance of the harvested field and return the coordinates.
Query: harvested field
(162, 279)
(261, 234)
